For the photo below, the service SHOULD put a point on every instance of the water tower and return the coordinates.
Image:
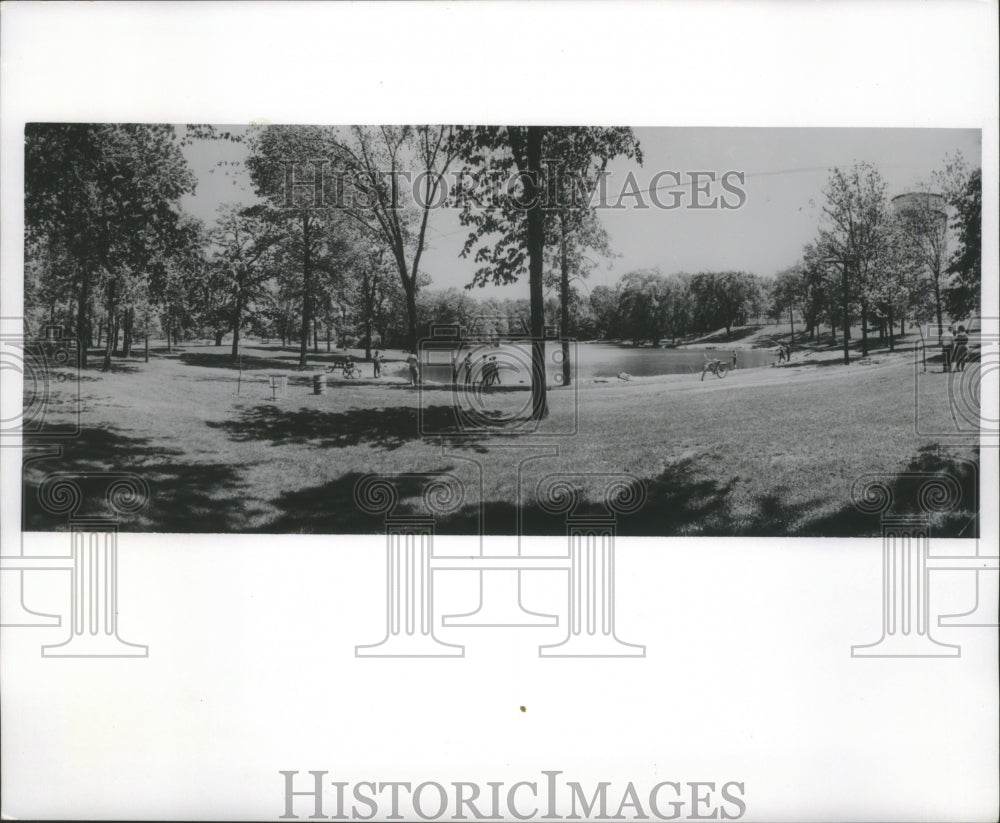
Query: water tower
(924, 206)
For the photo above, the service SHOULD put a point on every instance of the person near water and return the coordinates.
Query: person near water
(414, 370)
(961, 350)
(734, 359)
(454, 365)
(377, 364)
(947, 344)
(467, 366)
(781, 354)
(484, 371)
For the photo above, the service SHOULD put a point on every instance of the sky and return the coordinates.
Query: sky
(785, 171)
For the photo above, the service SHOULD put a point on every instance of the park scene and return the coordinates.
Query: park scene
(746, 323)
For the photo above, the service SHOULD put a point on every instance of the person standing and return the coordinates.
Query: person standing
(377, 364)
(947, 344)
(734, 359)
(494, 372)
(961, 350)
(414, 370)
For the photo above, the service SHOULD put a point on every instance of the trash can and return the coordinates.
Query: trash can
(319, 383)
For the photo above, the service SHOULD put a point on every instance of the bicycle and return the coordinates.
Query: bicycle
(348, 368)
(716, 367)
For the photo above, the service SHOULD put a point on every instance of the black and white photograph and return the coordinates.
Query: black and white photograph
(500, 410)
(745, 324)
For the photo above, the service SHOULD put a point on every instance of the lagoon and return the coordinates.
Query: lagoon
(594, 360)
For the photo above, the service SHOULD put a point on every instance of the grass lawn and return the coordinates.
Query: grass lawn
(768, 451)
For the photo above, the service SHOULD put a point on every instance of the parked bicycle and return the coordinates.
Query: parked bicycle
(348, 368)
(716, 367)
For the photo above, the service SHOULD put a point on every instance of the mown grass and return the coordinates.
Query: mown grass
(763, 452)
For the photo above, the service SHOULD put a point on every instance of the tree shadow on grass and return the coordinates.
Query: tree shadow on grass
(387, 428)
(183, 496)
(223, 360)
(951, 504)
(678, 503)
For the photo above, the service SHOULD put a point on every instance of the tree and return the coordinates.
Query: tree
(724, 299)
(576, 231)
(640, 305)
(312, 230)
(378, 160)
(963, 293)
(245, 239)
(818, 290)
(513, 230)
(787, 293)
(604, 305)
(178, 279)
(853, 238)
(110, 194)
(922, 222)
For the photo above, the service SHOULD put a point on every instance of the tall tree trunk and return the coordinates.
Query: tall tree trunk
(82, 326)
(846, 318)
(100, 331)
(369, 294)
(315, 336)
(892, 345)
(864, 329)
(791, 320)
(536, 248)
(411, 314)
(306, 291)
(237, 322)
(127, 324)
(112, 330)
(564, 295)
(937, 303)
(116, 325)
